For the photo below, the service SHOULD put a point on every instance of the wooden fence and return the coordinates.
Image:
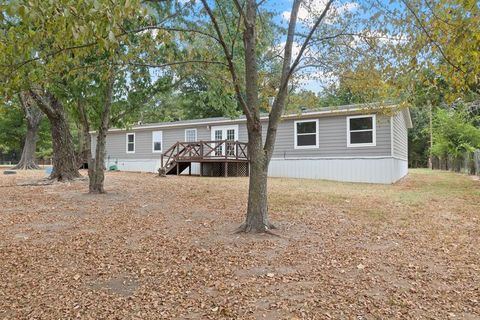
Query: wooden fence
(469, 163)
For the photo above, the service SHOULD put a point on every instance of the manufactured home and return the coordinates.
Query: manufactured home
(356, 143)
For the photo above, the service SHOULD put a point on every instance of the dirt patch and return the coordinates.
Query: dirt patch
(165, 248)
(121, 285)
(52, 227)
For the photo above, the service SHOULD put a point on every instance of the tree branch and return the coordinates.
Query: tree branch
(309, 36)
(228, 56)
(430, 38)
(148, 65)
(287, 71)
(42, 104)
(240, 9)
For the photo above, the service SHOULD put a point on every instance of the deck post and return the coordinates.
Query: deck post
(226, 169)
(161, 160)
(190, 169)
(201, 169)
(178, 168)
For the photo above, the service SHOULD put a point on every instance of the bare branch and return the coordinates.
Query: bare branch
(228, 56)
(309, 36)
(239, 9)
(287, 71)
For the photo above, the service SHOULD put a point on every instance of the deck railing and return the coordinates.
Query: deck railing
(205, 150)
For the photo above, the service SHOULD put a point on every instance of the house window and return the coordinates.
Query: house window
(157, 141)
(190, 135)
(361, 131)
(306, 134)
(130, 142)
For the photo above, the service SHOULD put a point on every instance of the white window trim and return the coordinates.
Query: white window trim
(161, 142)
(374, 131)
(134, 142)
(191, 129)
(295, 135)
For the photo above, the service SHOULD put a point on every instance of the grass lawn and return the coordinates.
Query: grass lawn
(164, 248)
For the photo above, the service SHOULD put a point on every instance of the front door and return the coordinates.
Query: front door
(229, 133)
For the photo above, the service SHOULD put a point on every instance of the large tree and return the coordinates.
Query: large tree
(64, 162)
(69, 41)
(33, 117)
(246, 88)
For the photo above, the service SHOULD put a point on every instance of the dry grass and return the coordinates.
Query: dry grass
(164, 248)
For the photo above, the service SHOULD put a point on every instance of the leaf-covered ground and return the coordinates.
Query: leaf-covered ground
(164, 248)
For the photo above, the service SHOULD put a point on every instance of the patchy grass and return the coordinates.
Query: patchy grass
(164, 248)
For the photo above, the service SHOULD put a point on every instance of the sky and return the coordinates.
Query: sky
(317, 80)
(314, 81)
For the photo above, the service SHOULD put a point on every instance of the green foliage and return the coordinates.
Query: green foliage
(45, 40)
(441, 36)
(13, 130)
(341, 94)
(419, 137)
(454, 133)
(364, 82)
(304, 99)
(44, 142)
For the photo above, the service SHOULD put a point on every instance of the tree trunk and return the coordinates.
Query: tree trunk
(64, 163)
(85, 149)
(259, 153)
(33, 117)
(257, 211)
(27, 161)
(96, 171)
(430, 117)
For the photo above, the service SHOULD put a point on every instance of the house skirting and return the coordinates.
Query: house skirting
(368, 169)
(139, 165)
(143, 165)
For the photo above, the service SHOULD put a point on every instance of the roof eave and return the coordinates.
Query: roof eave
(221, 121)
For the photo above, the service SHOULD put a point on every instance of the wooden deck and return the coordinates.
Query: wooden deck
(216, 158)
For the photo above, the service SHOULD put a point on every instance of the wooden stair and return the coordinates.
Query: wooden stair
(181, 155)
(174, 166)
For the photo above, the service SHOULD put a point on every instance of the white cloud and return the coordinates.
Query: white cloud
(281, 47)
(315, 79)
(311, 10)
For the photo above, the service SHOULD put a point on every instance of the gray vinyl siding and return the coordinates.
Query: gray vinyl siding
(117, 142)
(332, 139)
(400, 136)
